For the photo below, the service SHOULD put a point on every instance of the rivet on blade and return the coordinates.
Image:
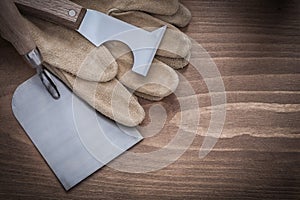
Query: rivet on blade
(72, 13)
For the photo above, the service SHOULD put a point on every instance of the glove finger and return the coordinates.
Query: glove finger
(67, 50)
(148, 97)
(160, 81)
(165, 7)
(181, 18)
(174, 44)
(111, 99)
(175, 63)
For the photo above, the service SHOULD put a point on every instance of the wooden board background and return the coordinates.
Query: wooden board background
(256, 46)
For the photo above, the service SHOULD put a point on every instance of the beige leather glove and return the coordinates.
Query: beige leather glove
(96, 74)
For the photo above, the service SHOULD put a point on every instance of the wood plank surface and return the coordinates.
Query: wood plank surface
(256, 47)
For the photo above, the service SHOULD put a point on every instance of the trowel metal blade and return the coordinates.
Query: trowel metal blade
(74, 140)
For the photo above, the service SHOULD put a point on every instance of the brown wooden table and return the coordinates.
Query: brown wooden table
(256, 46)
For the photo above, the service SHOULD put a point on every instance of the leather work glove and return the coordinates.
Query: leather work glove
(82, 66)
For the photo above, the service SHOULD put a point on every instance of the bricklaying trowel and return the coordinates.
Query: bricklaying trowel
(66, 131)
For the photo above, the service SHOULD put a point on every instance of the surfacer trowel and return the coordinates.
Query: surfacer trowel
(60, 124)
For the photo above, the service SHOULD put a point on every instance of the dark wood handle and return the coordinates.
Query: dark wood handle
(62, 12)
(13, 27)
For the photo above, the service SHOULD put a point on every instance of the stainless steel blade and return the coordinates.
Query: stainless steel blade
(74, 140)
(99, 28)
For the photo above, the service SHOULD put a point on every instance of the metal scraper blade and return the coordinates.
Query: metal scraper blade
(74, 140)
(99, 28)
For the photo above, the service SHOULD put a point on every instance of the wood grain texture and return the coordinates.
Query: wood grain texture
(256, 47)
(56, 11)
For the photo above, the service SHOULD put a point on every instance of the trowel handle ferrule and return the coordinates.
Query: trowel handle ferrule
(35, 60)
(61, 12)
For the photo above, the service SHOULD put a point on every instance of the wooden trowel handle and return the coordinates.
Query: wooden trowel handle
(13, 27)
(62, 12)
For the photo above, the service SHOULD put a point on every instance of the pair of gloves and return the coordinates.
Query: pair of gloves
(102, 76)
